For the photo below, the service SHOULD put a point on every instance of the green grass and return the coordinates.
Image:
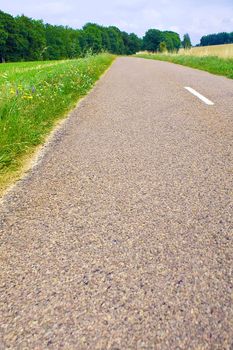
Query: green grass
(34, 96)
(211, 64)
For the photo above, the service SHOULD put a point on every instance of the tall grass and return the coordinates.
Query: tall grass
(223, 51)
(215, 65)
(34, 95)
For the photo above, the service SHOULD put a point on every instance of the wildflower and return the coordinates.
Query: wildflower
(27, 97)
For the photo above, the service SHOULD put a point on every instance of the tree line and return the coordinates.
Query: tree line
(23, 38)
(217, 39)
(26, 39)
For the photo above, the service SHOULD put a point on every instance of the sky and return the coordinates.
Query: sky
(196, 17)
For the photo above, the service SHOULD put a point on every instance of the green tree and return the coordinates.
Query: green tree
(31, 38)
(55, 49)
(72, 44)
(3, 40)
(82, 41)
(93, 37)
(186, 42)
(8, 37)
(152, 39)
(167, 39)
(135, 44)
(217, 39)
(174, 39)
(116, 40)
(106, 45)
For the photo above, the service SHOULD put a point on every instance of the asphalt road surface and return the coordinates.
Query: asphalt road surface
(120, 236)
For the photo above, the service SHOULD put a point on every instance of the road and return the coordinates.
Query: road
(120, 236)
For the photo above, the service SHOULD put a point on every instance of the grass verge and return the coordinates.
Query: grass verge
(211, 64)
(33, 97)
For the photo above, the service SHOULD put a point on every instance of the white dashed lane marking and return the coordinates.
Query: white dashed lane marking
(201, 97)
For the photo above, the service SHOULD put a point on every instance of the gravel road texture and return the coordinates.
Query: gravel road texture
(121, 236)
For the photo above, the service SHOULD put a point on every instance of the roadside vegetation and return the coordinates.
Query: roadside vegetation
(211, 64)
(33, 96)
(224, 51)
(216, 59)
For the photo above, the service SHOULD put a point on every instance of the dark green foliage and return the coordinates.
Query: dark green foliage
(25, 39)
(172, 40)
(186, 42)
(21, 38)
(217, 39)
(32, 34)
(9, 40)
(61, 42)
(93, 37)
(116, 41)
(154, 37)
(134, 44)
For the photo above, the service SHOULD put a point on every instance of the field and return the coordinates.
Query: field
(33, 97)
(212, 64)
(223, 51)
